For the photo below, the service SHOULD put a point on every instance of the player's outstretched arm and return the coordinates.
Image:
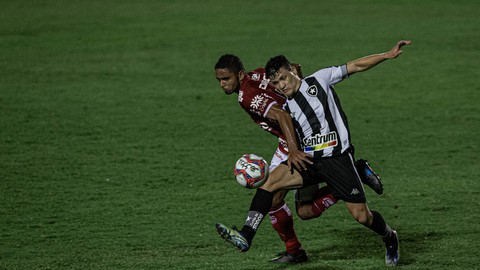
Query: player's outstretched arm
(367, 62)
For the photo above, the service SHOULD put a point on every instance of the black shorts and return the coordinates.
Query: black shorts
(306, 193)
(340, 174)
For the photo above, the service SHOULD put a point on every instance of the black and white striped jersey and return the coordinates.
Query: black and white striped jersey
(319, 120)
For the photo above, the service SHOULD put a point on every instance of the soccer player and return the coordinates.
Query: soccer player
(260, 100)
(322, 128)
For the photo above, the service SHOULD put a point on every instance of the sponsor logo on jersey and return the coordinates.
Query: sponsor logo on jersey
(312, 91)
(257, 102)
(319, 142)
(240, 96)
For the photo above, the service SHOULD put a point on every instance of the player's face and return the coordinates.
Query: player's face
(286, 81)
(229, 81)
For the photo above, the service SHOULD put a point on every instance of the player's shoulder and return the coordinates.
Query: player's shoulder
(257, 74)
(251, 92)
(256, 80)
(251, 88)
(329, 73)
(256, 83)
(323, 70)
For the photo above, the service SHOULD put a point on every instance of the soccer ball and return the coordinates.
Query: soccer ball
(251, 171)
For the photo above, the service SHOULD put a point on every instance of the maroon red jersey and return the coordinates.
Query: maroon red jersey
(256, 96)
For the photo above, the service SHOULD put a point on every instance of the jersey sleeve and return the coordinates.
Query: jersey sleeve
(333, 74)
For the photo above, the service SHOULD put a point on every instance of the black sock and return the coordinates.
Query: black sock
(261, 204)
(379, 226)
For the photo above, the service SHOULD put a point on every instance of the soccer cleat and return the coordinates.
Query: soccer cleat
(285, 257)
(368, 176)
(392, 254)
(233, 236)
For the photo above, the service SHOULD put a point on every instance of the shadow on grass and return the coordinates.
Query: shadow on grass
(360, 243)
(307, 266)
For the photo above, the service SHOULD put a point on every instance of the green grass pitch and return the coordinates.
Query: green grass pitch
(117, 145)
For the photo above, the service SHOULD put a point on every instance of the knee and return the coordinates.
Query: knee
(362, 216)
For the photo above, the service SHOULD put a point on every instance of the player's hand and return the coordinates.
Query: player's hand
(395, 51)
(299, 160)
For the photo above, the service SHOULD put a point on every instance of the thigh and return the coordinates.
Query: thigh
(283, 178)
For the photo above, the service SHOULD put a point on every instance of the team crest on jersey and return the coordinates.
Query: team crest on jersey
(312, 91)
(256, 77)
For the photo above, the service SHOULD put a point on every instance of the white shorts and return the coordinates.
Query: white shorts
(304, 194)
(278, 157)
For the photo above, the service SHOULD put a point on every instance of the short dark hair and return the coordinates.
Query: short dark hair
(230, 62)
(275, 63)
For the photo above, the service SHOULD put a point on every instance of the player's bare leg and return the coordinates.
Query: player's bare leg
(374, 221)
(280, 178)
